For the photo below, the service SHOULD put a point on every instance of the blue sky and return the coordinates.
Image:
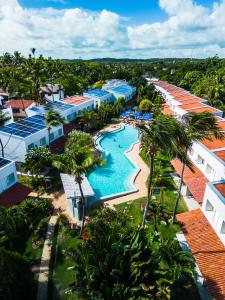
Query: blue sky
(138, 11)
(114, 28)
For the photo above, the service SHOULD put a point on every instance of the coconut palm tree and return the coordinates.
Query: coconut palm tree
(89, 118)
(4, 117)
(197, 127)
(78, 163)
(164, 134)
(53, 119)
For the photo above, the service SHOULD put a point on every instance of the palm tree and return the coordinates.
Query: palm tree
(164, 134)
(33, 50)
(3, 119)
(90, 119)
(78, 162)
(197, 127)
(52, 119)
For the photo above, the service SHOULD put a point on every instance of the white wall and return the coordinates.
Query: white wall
(210, 159)
(16, 147)
(99, 100)
(5, 171)
(55, 97)
(216, 213)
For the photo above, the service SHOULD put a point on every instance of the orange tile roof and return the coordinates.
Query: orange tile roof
(214, 143)
(76, 100)
(195, 181)
(191, 105)
(189, 99)
(220, 154)
(167, 110)
(221, 188)
(205, 109)
(18, 103)
(207, 249)
(221, 125)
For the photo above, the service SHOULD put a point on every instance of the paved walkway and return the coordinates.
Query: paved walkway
(42, 292)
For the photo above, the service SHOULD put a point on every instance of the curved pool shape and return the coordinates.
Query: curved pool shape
(117, 175)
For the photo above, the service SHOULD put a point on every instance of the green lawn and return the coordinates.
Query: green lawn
(61, 277)
(30, 242)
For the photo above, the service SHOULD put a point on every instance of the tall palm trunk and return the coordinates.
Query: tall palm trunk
(179, 192)
(83, 205)
(2, 148)
(151, 165)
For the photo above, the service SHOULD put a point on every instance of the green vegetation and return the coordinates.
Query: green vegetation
(167, 136)
(22, 234)
(117, 259)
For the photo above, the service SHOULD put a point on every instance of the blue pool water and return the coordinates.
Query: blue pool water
(117, 174)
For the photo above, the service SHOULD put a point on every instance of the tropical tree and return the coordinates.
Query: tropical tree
(89, 119)
(4, 117)
(16, 277)
(145, 105)
(53, 119)
(117, 260)
(164, 134)
(119, 105)
(197, 127)
(78, 139)
(78, 160)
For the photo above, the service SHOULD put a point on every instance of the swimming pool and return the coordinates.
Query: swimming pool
(117, 175)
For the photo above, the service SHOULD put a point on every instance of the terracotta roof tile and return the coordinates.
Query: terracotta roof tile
(214, 143)
(204, 109)
(14, 195)
(220, 154)
(167, 110)
(18, 103)
(207, 249)
(195, 181)
(191, 105)
(76, 100)
(221, 188)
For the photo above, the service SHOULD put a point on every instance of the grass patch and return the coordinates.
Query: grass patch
(60, 277)
(30, 242)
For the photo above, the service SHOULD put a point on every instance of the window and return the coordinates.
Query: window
(191, 151)
(15, 110)
(43, 141)
(209, 206)
(60, 132)
(51, 137)
(200, 160)
(10, 179)
(222, 230)
(209, 169)
(31, 146)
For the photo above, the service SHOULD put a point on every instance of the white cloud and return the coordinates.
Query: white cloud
(190, 30)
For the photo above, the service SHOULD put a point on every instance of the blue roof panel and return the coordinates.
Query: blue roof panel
(122, 89)
(97, 93)
(25, 127)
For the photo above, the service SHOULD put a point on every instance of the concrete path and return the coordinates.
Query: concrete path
(42, 292)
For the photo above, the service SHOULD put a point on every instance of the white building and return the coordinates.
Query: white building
(7, 111)
(52, 92)
(18, 137)
(99, 96)
(73, 195)
(65, 110)
(79, 103)
(19, 107)
(8, 176)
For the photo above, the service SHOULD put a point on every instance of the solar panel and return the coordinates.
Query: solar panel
(98, 93)
(4, 162)
(25, 127)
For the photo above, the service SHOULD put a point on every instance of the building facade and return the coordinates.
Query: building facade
(8, 176)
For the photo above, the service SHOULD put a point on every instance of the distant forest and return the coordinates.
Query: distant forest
(22, 77)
